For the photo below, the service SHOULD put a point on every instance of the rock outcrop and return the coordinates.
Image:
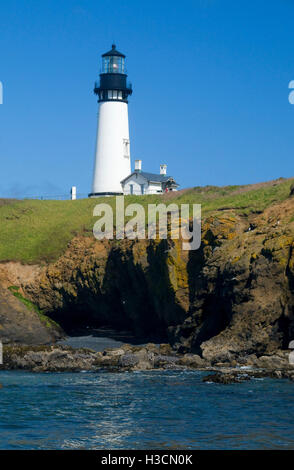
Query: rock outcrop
(242, 296)
(60, 358)
(148, 357)
(19, 324)
(232, 298)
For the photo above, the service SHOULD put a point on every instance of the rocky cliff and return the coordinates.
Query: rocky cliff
(21, 324)
(231, 298)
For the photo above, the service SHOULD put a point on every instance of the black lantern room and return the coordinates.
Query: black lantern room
(113, 84)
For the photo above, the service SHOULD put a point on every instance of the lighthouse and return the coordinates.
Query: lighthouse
(112, 155)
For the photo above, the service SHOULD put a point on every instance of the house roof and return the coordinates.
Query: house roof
(151, 177)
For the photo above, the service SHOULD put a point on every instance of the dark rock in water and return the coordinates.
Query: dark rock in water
(274, 374)
(227, 378)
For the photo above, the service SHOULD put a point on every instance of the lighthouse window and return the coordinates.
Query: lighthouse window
(126, 144)
(113, 64)
(119, 95)
(114, 94)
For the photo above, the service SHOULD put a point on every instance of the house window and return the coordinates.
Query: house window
(131, 189)
(126, 144)
(142, 188)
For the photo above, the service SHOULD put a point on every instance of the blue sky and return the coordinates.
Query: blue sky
(210, 80)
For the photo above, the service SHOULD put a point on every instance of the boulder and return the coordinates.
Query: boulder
(192, 360)
(166, 349)
(128, 360)
(113, 352)
(46, 358)
(162, 361)
(274, 361)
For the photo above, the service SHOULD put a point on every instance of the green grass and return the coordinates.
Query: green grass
(34, 231)
(31, 306)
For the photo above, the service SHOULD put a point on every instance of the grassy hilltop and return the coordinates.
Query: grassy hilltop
(34, 231)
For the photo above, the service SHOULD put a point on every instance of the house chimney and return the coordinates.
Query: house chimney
(138, 165)
(163, 169)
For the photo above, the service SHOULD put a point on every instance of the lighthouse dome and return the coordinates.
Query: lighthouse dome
(113, 52)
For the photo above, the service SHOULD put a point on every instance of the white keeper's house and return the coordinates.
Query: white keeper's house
(140, 182)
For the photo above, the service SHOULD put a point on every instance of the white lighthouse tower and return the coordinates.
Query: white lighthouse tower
(112, 158)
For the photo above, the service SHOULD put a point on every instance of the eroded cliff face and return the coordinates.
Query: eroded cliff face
(232, 297)
(242, 300)
(137, 285)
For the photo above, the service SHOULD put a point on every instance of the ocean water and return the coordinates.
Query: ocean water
(143, 410)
